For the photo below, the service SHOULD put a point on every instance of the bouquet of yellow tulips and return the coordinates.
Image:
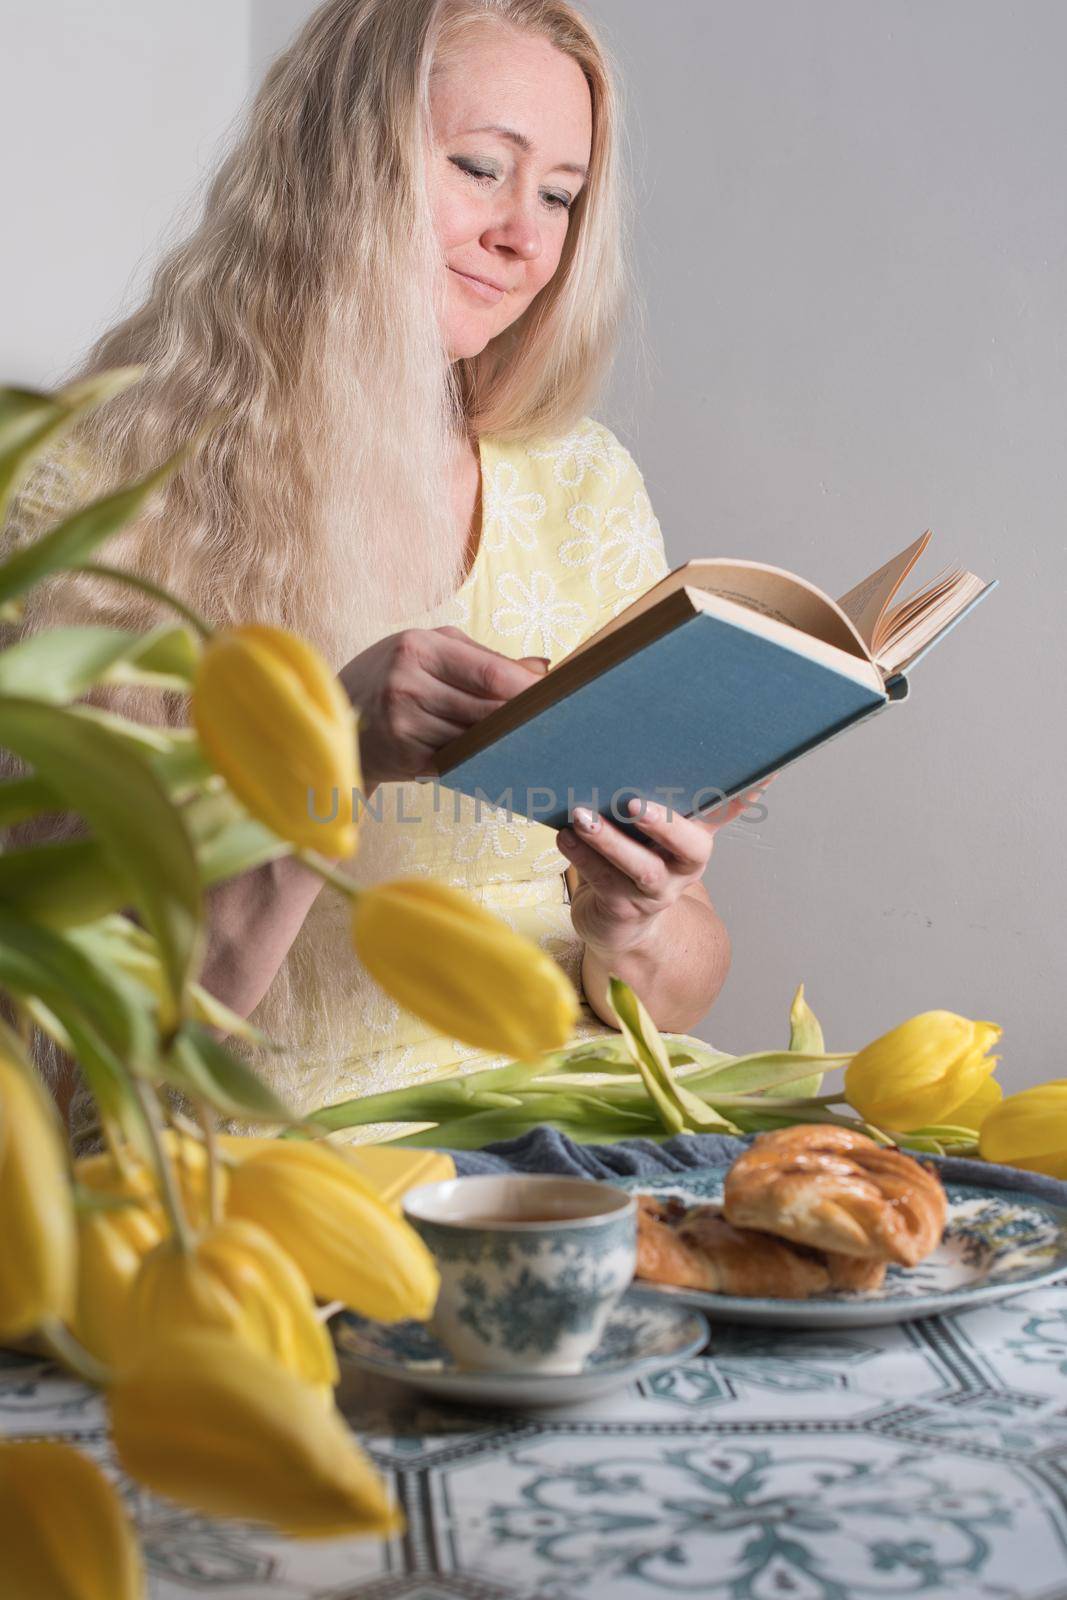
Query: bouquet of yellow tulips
(188, 1274)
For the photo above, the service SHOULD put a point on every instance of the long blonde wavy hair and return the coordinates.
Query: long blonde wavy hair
(304, 307)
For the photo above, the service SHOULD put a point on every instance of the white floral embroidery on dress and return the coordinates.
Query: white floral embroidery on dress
(508, 512)
(590, 448)
(633, 549)
(498, 838)
(548, 625)
(620, 548)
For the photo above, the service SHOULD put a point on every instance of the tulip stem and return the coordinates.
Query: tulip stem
(171, 1197)
(322, 869)
(133, 580)
(211, 1146)
(324, 1313)
(65, 1348)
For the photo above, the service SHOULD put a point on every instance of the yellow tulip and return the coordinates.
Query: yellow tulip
(973, 1112)
(63, 1532)
(389, 1171)
(221, 1428)
(135, 1180)
(111, 1247)
(37, 1241)
(277, 725)
(237, 1280)
(1029, 1130)
(919, 1072)
(347, 1241)
(461, 969)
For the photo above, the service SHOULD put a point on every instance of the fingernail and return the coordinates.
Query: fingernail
(584, 818)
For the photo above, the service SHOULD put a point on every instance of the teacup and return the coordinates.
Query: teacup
(530, 1267)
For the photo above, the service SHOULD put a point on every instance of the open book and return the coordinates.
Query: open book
(722, 673)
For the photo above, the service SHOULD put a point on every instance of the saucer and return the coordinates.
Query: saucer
(639, 1340)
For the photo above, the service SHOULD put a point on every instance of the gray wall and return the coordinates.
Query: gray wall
(109, 112)
(852, 240)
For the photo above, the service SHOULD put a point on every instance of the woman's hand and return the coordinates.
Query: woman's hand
(418, 689)
(625, 886)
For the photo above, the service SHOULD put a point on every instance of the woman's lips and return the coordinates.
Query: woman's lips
(484, 291)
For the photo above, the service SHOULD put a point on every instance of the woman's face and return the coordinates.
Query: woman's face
(512, 132)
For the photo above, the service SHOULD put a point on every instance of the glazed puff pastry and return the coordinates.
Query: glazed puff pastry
(832, 1189)
(696, 1248)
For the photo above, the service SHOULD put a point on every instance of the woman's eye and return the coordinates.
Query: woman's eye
(555, 202)
(471, 168)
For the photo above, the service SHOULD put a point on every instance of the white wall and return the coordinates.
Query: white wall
(853, 241)
(109, 112)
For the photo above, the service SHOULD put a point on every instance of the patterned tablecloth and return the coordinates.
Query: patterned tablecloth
(925, 1459)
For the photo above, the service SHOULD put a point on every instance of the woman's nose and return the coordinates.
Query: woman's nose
(517, 230)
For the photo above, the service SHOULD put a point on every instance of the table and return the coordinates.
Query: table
(926, 1459)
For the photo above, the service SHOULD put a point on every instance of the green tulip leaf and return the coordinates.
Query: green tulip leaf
(61, 664)
(101, 1020)
(74, 540)
(756, 1074)
(805, 1037)
(118, 941)
(140, 832)
(30, 419)
(677, 1106)
(583, 1118)
(22, 798)
(201, 1067)
(60, 885)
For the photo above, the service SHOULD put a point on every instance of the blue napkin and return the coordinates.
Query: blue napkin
(546, 1150)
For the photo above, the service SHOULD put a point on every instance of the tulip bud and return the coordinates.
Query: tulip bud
(236, 1280)
(133, 1180)
(37, 1247)
(63, 1532)
(276, 723)
(219, 1427)
(919, 1072)
(462, 970)
(111, 1248)
(347, 1241)
(1029, 1130)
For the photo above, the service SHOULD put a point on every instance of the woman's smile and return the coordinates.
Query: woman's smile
(485, 291)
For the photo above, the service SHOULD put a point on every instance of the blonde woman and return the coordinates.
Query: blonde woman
(403, 295)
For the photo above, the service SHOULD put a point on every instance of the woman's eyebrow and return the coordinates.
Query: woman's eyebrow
(523, 143)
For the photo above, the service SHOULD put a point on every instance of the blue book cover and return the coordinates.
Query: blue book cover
(693, 700)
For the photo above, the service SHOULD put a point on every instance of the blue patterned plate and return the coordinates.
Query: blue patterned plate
(640, 1339)
(996, 1243)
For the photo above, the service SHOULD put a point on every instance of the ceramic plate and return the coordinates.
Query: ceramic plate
(641, 1338)
(997, 1243)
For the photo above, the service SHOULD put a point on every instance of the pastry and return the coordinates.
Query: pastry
(835, 1190)
(697, 1248)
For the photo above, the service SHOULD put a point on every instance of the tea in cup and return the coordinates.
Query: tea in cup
(531, 1267)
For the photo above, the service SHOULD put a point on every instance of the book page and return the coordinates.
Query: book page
(865, 605)
(780, 595)
(771, 591)
(911, 627)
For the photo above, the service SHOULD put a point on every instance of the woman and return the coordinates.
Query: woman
(403, 294)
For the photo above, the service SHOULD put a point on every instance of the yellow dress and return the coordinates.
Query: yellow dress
(568, 540)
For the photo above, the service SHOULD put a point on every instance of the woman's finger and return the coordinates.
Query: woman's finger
(646, 870)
